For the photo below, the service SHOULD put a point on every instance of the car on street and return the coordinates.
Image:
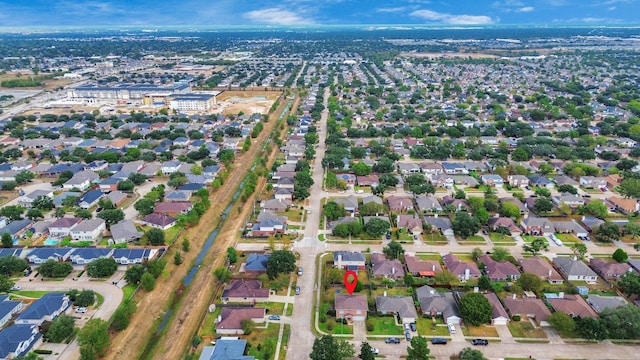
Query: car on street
(81, 310)
(297, 290)
(375, 351)
(299, 271)
(439, 341)
(484, 342)
(274, 317)
(392, 340)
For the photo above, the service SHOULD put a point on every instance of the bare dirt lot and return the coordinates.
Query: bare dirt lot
(151, 306)
(50, 84)
(248, 102)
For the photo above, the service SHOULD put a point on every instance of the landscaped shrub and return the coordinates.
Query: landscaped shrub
(515, 318)
(370, 326)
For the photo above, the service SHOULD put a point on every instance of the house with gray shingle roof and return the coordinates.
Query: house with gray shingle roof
(574, 269)
(402, 306)
(437, 304)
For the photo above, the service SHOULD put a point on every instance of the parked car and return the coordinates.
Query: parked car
(274, 317)
(299, 271)
(484, 342)
(407, 335)
(439, 341)
(375, 351)
(413, 327)
(81, 310)
(297, 290)
(392, 340)
(16, 288)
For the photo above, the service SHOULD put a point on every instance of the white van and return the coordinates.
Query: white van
(452, 329)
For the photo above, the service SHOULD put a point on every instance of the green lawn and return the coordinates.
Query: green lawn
(272, 307)
(100, 300)
(285, 340)
(128, 290)
(434, 239)
(293, 215)
(337, 327)
(428, 256)
(568, 238)
(384, 325)
(473, 239)
(524, 329)
(259, 336)
(209, 327)
(426, 327)
(31, 293)
(480, 331)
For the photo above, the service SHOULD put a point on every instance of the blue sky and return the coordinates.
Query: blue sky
(315, 12)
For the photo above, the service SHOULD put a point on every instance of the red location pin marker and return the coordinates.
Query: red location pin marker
(350, 285)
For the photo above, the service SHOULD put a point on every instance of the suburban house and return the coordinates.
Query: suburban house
(40, 255)
(158, 221)
(173, 208)
(593, 182)
(602, 303)
(90, 198)
(568, 199)
(436, 304)
(133, 256)
(499, 270)
(426, 204)
(411, 223)
(125, 231)
(83, 256)
(504, 222)
(442, 180)
(226, 349)
(17, 340)
(492, 180)
(401, 306)
(518, 181)
(230, 319)
(269, 224)
(569, 227)
(527, 308)
(256, 263)
(81, 180)
(541, 181)
(62, 227)
(47, 308)
(625, 206)
(349, 203)
(8, 308)
(399, 204)
(440, 223)
(609, 270)
(385, 268)
(275, 205)
(245, 291)
(542, 268)
(349, 260)
(351, 307)
(369, 180)
(499, 315)
(170, 167)
(26, 200)
(117, 197)
(422, 268)
(464, 270)
(88, 230)
(572, 305)
(537, 226)
(574, 269)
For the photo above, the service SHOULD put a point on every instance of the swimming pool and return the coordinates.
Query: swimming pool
(51, 242)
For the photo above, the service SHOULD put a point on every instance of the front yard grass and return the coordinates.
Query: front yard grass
(480, 331)
(473, 239)
(429, 256)
(524, 329)
(258, 336)
(337, 327)
(273, 308)
(293, 215)
(426, 327)
(434, 239)
(568, 238)
(384, 325)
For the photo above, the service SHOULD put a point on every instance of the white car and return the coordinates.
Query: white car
(375, 351)
(81, 310)
(16, 288)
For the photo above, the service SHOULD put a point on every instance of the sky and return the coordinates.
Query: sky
(23, 13)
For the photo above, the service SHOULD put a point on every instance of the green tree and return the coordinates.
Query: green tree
(542, 205)
(376, 227)
(530, 282)
(53, 268)
(10, 265)
(34, 214)
(177, 258)
(579, 250)
(630, 188)
(93, 339)
(484, 283)
(60, 329)
(156, 267)
(144, 206)
(85, 298)
(475, 309)
(6, 283)
(418, 349)
(591, 329)
(134, 273)
(366, 352)
(247, 326)
(361, 169)
(482, 216)
(333, 210)
(186, 245)
(597, 208)
(12, 212)
(126, 185)
(83, 214)
(148, 282)
(155, 236)
(620, 256)
(566, 188)
(43, 203)
(101, 268)
(562, 322)
(371, 209)
(232, 255)
(500, 254)
(280, 261)
(510, 210)
(464, 225)
(535, 247)
(445, 277)
(470, 354)
(7, 240)
(24, 177)
(393, 250)
(608, 232)
(629, 283)
(222, 274)
(324, 348)
(112, 216)
(622, 322)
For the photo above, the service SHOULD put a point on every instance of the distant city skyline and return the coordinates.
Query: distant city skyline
(51, 13)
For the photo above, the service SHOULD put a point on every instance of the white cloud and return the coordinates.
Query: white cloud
(612, 8)
(276, 16)
(525, 9)
(452, 19)
(391, 10)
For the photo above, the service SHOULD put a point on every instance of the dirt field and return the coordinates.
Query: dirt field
(130, 343)
(448, 55)
(50, 84)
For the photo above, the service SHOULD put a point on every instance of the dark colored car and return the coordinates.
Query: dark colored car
(484, 342)
(392, 340)
(439, 341)
(407, 335)
(413, 326)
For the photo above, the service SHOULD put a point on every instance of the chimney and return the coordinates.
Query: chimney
(561, 295)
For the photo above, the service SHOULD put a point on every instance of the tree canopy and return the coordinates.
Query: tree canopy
(475, 309)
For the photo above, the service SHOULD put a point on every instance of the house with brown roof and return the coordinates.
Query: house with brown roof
(499, 315)
(529, 308)
(386, 268)
(542, 268)
(351, 307)
(370, 180)
(422, 268)
(159, 221)
(518, 181)
(572, 305)
(609, 270)
(499, 270)
(537, 226)
(62, 227)
(458, 204)
(230, 319)
(173, 208)
(398, 204)
(504, 222)
(464, 270)
(241, 290)
(411, 223)
(625, 206)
